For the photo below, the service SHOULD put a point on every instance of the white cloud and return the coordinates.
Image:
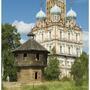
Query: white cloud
(22, 41)
(22, 27)
(86, 41)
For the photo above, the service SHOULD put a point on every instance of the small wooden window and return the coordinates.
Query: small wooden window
(25, 55)
(37, 56)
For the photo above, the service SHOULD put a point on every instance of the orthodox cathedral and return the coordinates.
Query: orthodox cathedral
(59, 33)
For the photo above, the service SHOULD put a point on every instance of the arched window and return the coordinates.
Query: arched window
(61, 49)
(42, 36)
(49, 35)
(69, 50)
(60, 34)
(50, 47)
(55, 17)
(76, 36)
(68, 35)
(77, 51)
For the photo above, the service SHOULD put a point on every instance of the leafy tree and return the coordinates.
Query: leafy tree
(85, 61)
(52, 71)
(10, 40)
(79, 69)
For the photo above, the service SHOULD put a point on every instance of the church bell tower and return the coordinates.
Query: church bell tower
(61, 4)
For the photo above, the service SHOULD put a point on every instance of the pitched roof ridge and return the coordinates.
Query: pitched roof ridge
(29, 45)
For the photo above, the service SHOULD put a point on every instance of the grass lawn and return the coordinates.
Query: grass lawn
(55, 85)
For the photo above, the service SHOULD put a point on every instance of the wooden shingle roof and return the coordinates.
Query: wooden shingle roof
(30, 45)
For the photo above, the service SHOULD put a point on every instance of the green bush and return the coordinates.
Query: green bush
(52, 71)
(65, 79)
(10, 41)
(79, 69)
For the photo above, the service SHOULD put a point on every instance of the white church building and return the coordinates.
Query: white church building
(58, 31)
